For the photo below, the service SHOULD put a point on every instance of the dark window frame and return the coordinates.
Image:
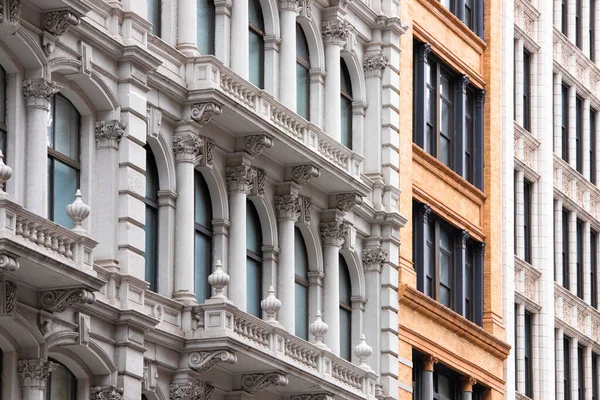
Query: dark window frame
(578, 24)
(593, 162)
(527, 90)
(580, 273)
(594, 268)
(527, 218)
(565, 250)
(595, 395)
(152, 206)
(564, 28)
(579, 134)
(567, 364)
(528, 353)
(565, 122)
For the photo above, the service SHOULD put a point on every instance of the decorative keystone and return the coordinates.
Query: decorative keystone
(5, 173)
(363, 351)
(319, 329)
(219, 279)
(78, 211)
(271, 305)
(60, 300)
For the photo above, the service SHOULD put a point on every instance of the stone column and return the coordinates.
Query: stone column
(37, 100)
(461, 103)
(240, 47)
(520, 217)
(558, 113)
(427, 364)
(223, 30)
(238, 178)
(186, 28)
(34, 375)
(558, 243)
(287, 57)
(421, 88)
(333, 236)
(374, 64)
(287, 207)
(186, 146)
(466, 387)
(335, 34)
(167, 209)
(373, 259)
(520, 347)
(586, 139)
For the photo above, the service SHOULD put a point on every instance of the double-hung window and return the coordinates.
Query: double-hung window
(202, 238)
(526, 90)
(565, 249)
(470, 12)
(580, 259)
(527, 188)
(593, 146)
(528, 353)
(579, 134)
(594, 268)
(565, 123)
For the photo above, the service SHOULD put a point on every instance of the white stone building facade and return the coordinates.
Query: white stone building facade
(237, 233)
(551, 198)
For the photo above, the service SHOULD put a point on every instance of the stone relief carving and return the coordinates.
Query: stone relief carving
(59, 300)
(253, 383)
(201, 361)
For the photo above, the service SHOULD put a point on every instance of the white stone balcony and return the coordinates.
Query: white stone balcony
(248, 110)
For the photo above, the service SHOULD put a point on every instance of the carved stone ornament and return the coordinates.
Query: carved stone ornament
(334, 233)
(38, 92)
(256, 144)
(106, 393)
(428, 362)
(203, 112)
(253, 383)
(8, 299)
(288, 5)
(312, 396)
(374, 256)
(374, 64)
(423, 211)
(287, 206)
(10, 17)
(59, 300)
(302, 174)
(463, 236)
(186, 148)
(34, 373)
(306, 8)
(305, 209)
(8, 264)
(346, 201)
(109, 133)
(57, 22)
(239, 177)
(201, 361)
(335, 32)
(207, 152)
(466, 383)
(257, 181)
(190, 391)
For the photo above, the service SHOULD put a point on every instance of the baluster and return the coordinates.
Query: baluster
(40, 236)
(68, 245)
(61, 246)
(33, 232)
(19, 230)
(54, 238)
(48, 239)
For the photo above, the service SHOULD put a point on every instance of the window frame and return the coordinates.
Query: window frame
(528, 353)
(48, 390)
(565, 122)
(302, 281)
(211, 24)
(594, 268)
(566, 364)
(579, 134)
(527, 220)
(593, 162)
(566, 276)
(346, 308)
(254, 256)
(580, 267)
(156, 29)
(256, 30)
(527, 89)
(154, 206)
(204, 231)
(305, 65)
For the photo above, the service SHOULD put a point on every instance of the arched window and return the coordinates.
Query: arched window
(346, 94)
(256, 25)
(345, 311)
(62, 384)
(151, 225)
(205, 26)
(63, 158)
(253, 261)
(301, 294)
(302, 74)
(202, 238)
(154, 13)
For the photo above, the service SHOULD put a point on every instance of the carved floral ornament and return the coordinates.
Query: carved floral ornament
(334, 233)
(106, 393)
(10, 17)
(201, 361)
(374, 64)
(34, 373)
(186, 148)
(335, 32)
(190, 391)
(374, 255)
(253, 383)
(346, 201)
(302, 174)
(202, 113)
(38, 92)
(109, 133)
(59, 300)
(256, 144)
(58, 22)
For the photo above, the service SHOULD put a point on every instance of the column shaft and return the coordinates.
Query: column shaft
(286, 274)
(239, 39)
(287, 57)
(184, 233)
(186, 28)
(237, 248)
(333, 120)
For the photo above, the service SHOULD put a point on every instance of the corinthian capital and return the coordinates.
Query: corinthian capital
(186, 148)
(34, 373)
(57, 22)
(256, 144)
(240, 177)
(287, 206)
(335, 32)
(38, 92)
(373, 257)
(288, 5)
(334, 233)
(190, 391)
(374, 64)
(109, 133)
(203, 112)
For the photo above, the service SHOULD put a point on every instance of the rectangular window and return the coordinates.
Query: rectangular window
(469, 281)
(567, 365)
(580, 259)
(594, 268)
(469, 137)
(580, 372)
(154, 12)
(565, 123)
(593, 146)
(527, 219)
(564, 18)
(578, 30)
(528, 355)
(515, 212)
(565, 249)
(579, 134)
(526, 90)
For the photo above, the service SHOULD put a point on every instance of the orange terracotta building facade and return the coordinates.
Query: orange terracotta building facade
(447, 340)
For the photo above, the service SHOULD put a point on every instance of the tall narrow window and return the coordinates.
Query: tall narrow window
(469, 280)
(593, 146)
(516, 346)
(151, 225)
(346, 95)
(594, 268)
(526, 90)
(446, 267)
(579, 134)
(565, 249)
(154, 13)
(528, 355)
(565, 123)
(470, 13)
(592, 33)
(446, 118)
(205, 29)
(253, 260)
(469, 137)
(202, 238)
(345, 311)
(444, 384)
(3, 112)
(567, 364)
(302, 74)
(301, 294)
(594, 376)
(257, 44)
(578, 30)
(62, 384)
(579, 259)
(527, 219)
(63, 158)
(580, 372)
(564, 26)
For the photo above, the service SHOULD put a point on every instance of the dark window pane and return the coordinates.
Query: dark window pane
(151, 253)
(567, 364)
(594, 376)
(594, 268)
(301, 254)
(526, 90)
(301, 315)
(254, 287)
(253, 229)
(202, 265)
(257, 59)
(345, 310)
(578, 24)
(203, 205)
(62, 384)
(255, 15)
(565, 249)
(2, 96)
(579, 134)
(593, 146)
(565, 123)
(66, 128)
(528, 355)
(65, 182)
(565, 17)
(580, 259)
(303, 94)
(205, 11)
(154, 14)
(527, 219)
